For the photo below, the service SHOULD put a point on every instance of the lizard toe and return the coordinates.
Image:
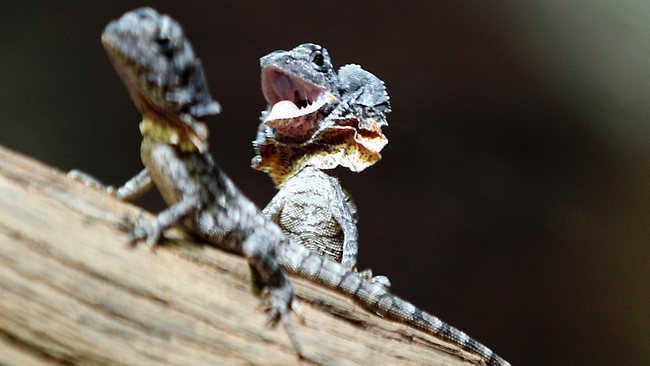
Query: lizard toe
(381, 280)
(90, 181)
(140, 229)
(279, 304)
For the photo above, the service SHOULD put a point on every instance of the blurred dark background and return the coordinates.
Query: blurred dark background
(513, 199)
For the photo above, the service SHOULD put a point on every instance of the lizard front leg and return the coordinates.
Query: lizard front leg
(345, 213)
(132, 189)
(273, 208)
(152, 230)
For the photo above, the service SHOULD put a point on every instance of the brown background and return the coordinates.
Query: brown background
(513, 199)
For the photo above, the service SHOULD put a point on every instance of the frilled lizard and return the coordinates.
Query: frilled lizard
(167, 84)
(317, 119)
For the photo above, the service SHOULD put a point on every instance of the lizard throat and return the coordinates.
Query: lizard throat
(173, 135)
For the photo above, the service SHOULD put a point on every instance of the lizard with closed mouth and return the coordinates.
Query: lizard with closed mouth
(166, 83)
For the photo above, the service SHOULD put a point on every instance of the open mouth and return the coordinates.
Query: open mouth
(289, 96)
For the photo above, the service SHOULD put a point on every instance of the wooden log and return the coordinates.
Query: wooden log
(72, 291)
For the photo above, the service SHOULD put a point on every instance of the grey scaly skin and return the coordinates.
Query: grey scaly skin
(311, 208)
(335, 117)
(314, 115)
(166, 82)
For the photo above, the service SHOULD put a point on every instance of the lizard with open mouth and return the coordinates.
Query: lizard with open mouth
(166, 82)
(318, 119)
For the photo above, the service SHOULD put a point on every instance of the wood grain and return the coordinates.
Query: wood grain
(72, 291)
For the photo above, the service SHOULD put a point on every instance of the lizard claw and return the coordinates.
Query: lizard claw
(91, 181)
(295, 306)
(141, 229)
(278, 304)
(380, 280)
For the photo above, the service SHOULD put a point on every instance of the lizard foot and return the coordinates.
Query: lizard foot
(142, 229)
(278, 304)
(380, 280)
(91, 181)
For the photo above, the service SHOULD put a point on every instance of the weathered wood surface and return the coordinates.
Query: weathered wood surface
(72, 291)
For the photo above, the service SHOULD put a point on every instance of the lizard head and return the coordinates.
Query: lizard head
(296, 85)
(164, 77)
(318, 116)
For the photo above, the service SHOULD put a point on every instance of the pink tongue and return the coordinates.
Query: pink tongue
(283, 109)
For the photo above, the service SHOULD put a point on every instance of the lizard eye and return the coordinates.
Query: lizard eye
(318, 60)
(165, 46)
(162, 41)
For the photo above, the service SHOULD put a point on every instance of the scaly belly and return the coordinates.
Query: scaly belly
(314, 227)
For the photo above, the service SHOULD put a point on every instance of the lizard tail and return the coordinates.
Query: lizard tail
(395, 308)
(304, 263)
